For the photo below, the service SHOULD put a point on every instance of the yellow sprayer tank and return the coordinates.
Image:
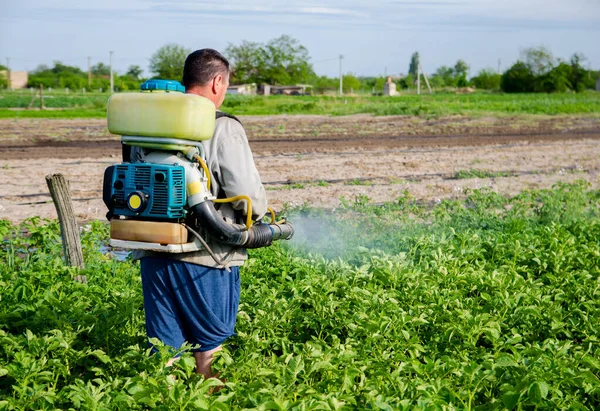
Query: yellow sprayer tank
(161, 110)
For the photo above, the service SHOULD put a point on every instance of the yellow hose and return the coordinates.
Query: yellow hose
(270, 210)
(237, 198)
(206, 172)
(232, 199)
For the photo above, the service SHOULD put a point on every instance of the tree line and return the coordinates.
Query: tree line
(284, 61)
(64, 76)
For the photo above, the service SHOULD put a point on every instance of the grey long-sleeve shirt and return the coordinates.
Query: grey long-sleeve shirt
(230, 160)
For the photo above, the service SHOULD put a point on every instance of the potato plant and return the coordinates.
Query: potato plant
(483, 303)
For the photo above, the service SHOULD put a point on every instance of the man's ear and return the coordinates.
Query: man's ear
(216, 83)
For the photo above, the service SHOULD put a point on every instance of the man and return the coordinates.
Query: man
(188, 297)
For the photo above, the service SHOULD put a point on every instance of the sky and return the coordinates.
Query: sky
(376, 37)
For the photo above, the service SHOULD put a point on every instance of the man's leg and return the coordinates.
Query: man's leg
(204, 361)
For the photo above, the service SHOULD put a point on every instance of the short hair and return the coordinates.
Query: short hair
(202, 66)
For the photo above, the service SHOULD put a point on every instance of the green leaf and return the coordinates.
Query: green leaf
(537, 392)
(504, 361)
(383, 406)
(511, 399)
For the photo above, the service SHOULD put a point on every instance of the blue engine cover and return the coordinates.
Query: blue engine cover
(153, 191)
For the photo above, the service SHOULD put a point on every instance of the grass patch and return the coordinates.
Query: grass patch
(473, 173)
(64, 114)
(430, 106)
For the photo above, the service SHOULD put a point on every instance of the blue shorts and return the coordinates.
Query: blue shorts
(186, 302)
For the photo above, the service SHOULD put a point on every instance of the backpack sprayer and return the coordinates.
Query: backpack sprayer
(162, 203)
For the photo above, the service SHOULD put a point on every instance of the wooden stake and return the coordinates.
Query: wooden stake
(61, 195)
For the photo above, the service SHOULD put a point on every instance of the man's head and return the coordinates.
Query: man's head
(206, 73)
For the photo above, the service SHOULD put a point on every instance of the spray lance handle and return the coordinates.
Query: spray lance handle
(263, 234)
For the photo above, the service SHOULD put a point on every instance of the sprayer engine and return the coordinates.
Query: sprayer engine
(147, 191)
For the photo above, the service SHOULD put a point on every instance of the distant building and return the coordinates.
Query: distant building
(242, 89)
(18, 79)
(297, 90)
(389, 88)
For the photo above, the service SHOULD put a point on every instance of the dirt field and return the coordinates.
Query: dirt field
(318, 159)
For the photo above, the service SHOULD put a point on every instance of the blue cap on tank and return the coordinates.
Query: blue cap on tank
(169, 85)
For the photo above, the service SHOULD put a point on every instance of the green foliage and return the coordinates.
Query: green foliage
(539, 60)
(556, 80)
(63, 76)
(322, 84)
(518, 79)
(461, 69)
(3, 80)
(406, 82)
(451, 76)
(371, 84)
(463, 174)
(580, 79)
(134, 71)
(413, 67)
(100, 69)
(486, 303)
(541, 72)
(167, 62)
(350, 83)
(487, 79)
(281, 61)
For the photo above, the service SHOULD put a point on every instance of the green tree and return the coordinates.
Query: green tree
(247, 62)
(407, 82)
(100, 69)
(3, 81)
(282, 60)
(487, 79)
(518, 79)
(461, 69)
(556, 80)
(322, 84)
(350, 83)
(539, 60)
(444, 77)
(63, 69)
(579, 75)
(134, 71)
(60, 75)
(413, 67)
(167, 63)
(287, 61)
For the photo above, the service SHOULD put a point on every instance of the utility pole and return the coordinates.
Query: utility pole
(425, 77)
(8, 82)
(499, 64)
(112, 85)
(89, 72)
(419, 75)
(341, 84)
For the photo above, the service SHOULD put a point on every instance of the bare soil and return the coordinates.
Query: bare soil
(321, 159)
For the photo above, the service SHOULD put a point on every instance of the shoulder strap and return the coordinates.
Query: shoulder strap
(223, 114)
